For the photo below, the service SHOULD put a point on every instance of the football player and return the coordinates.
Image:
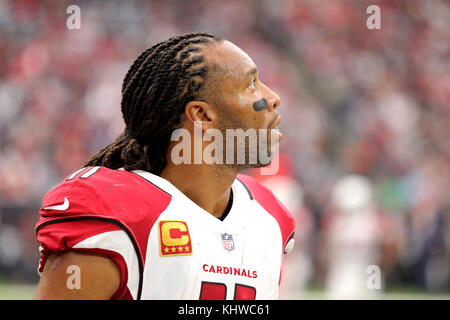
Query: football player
(135, 224)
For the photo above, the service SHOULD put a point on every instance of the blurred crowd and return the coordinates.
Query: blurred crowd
(367, 106)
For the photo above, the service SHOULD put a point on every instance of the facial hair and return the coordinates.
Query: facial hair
(237, 146)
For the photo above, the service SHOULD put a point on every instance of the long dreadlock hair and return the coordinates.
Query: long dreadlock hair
(155, 91)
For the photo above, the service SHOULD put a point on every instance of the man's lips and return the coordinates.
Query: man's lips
(276, 122)
(274, 130)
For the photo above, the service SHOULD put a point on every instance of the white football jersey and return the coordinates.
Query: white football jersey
(165, 245)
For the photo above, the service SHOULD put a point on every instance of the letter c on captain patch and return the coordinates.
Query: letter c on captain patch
(174, 238)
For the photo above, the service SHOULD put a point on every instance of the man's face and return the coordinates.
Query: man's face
(241, 99)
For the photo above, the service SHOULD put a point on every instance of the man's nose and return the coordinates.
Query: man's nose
(273, 102)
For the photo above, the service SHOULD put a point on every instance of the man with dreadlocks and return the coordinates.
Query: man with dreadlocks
(135, 224)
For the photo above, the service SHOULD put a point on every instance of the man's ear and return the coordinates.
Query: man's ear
(202, 112)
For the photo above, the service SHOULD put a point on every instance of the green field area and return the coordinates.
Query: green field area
(26, 292)
(16, 292)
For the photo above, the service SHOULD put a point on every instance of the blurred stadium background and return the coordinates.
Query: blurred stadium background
(364, 164)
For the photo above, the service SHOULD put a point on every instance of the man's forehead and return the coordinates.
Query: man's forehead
(231, 59)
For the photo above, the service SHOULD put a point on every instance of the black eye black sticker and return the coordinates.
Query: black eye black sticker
(260, 104)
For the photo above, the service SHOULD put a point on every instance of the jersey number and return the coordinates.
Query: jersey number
(218, 291)
(86, 174)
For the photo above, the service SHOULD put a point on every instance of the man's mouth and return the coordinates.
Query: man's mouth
(276, 122)
(275, 132)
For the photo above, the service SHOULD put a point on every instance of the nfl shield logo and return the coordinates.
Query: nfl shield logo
(227, 240)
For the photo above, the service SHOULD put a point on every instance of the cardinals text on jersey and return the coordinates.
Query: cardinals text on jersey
(165, 245)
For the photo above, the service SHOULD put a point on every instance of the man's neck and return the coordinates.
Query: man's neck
(208, 186)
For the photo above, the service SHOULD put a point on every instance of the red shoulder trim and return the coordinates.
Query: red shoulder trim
(271, 204)
(114, 194)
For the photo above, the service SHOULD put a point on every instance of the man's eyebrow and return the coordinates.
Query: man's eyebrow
(252, 71)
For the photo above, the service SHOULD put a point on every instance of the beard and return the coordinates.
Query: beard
(244, 147)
